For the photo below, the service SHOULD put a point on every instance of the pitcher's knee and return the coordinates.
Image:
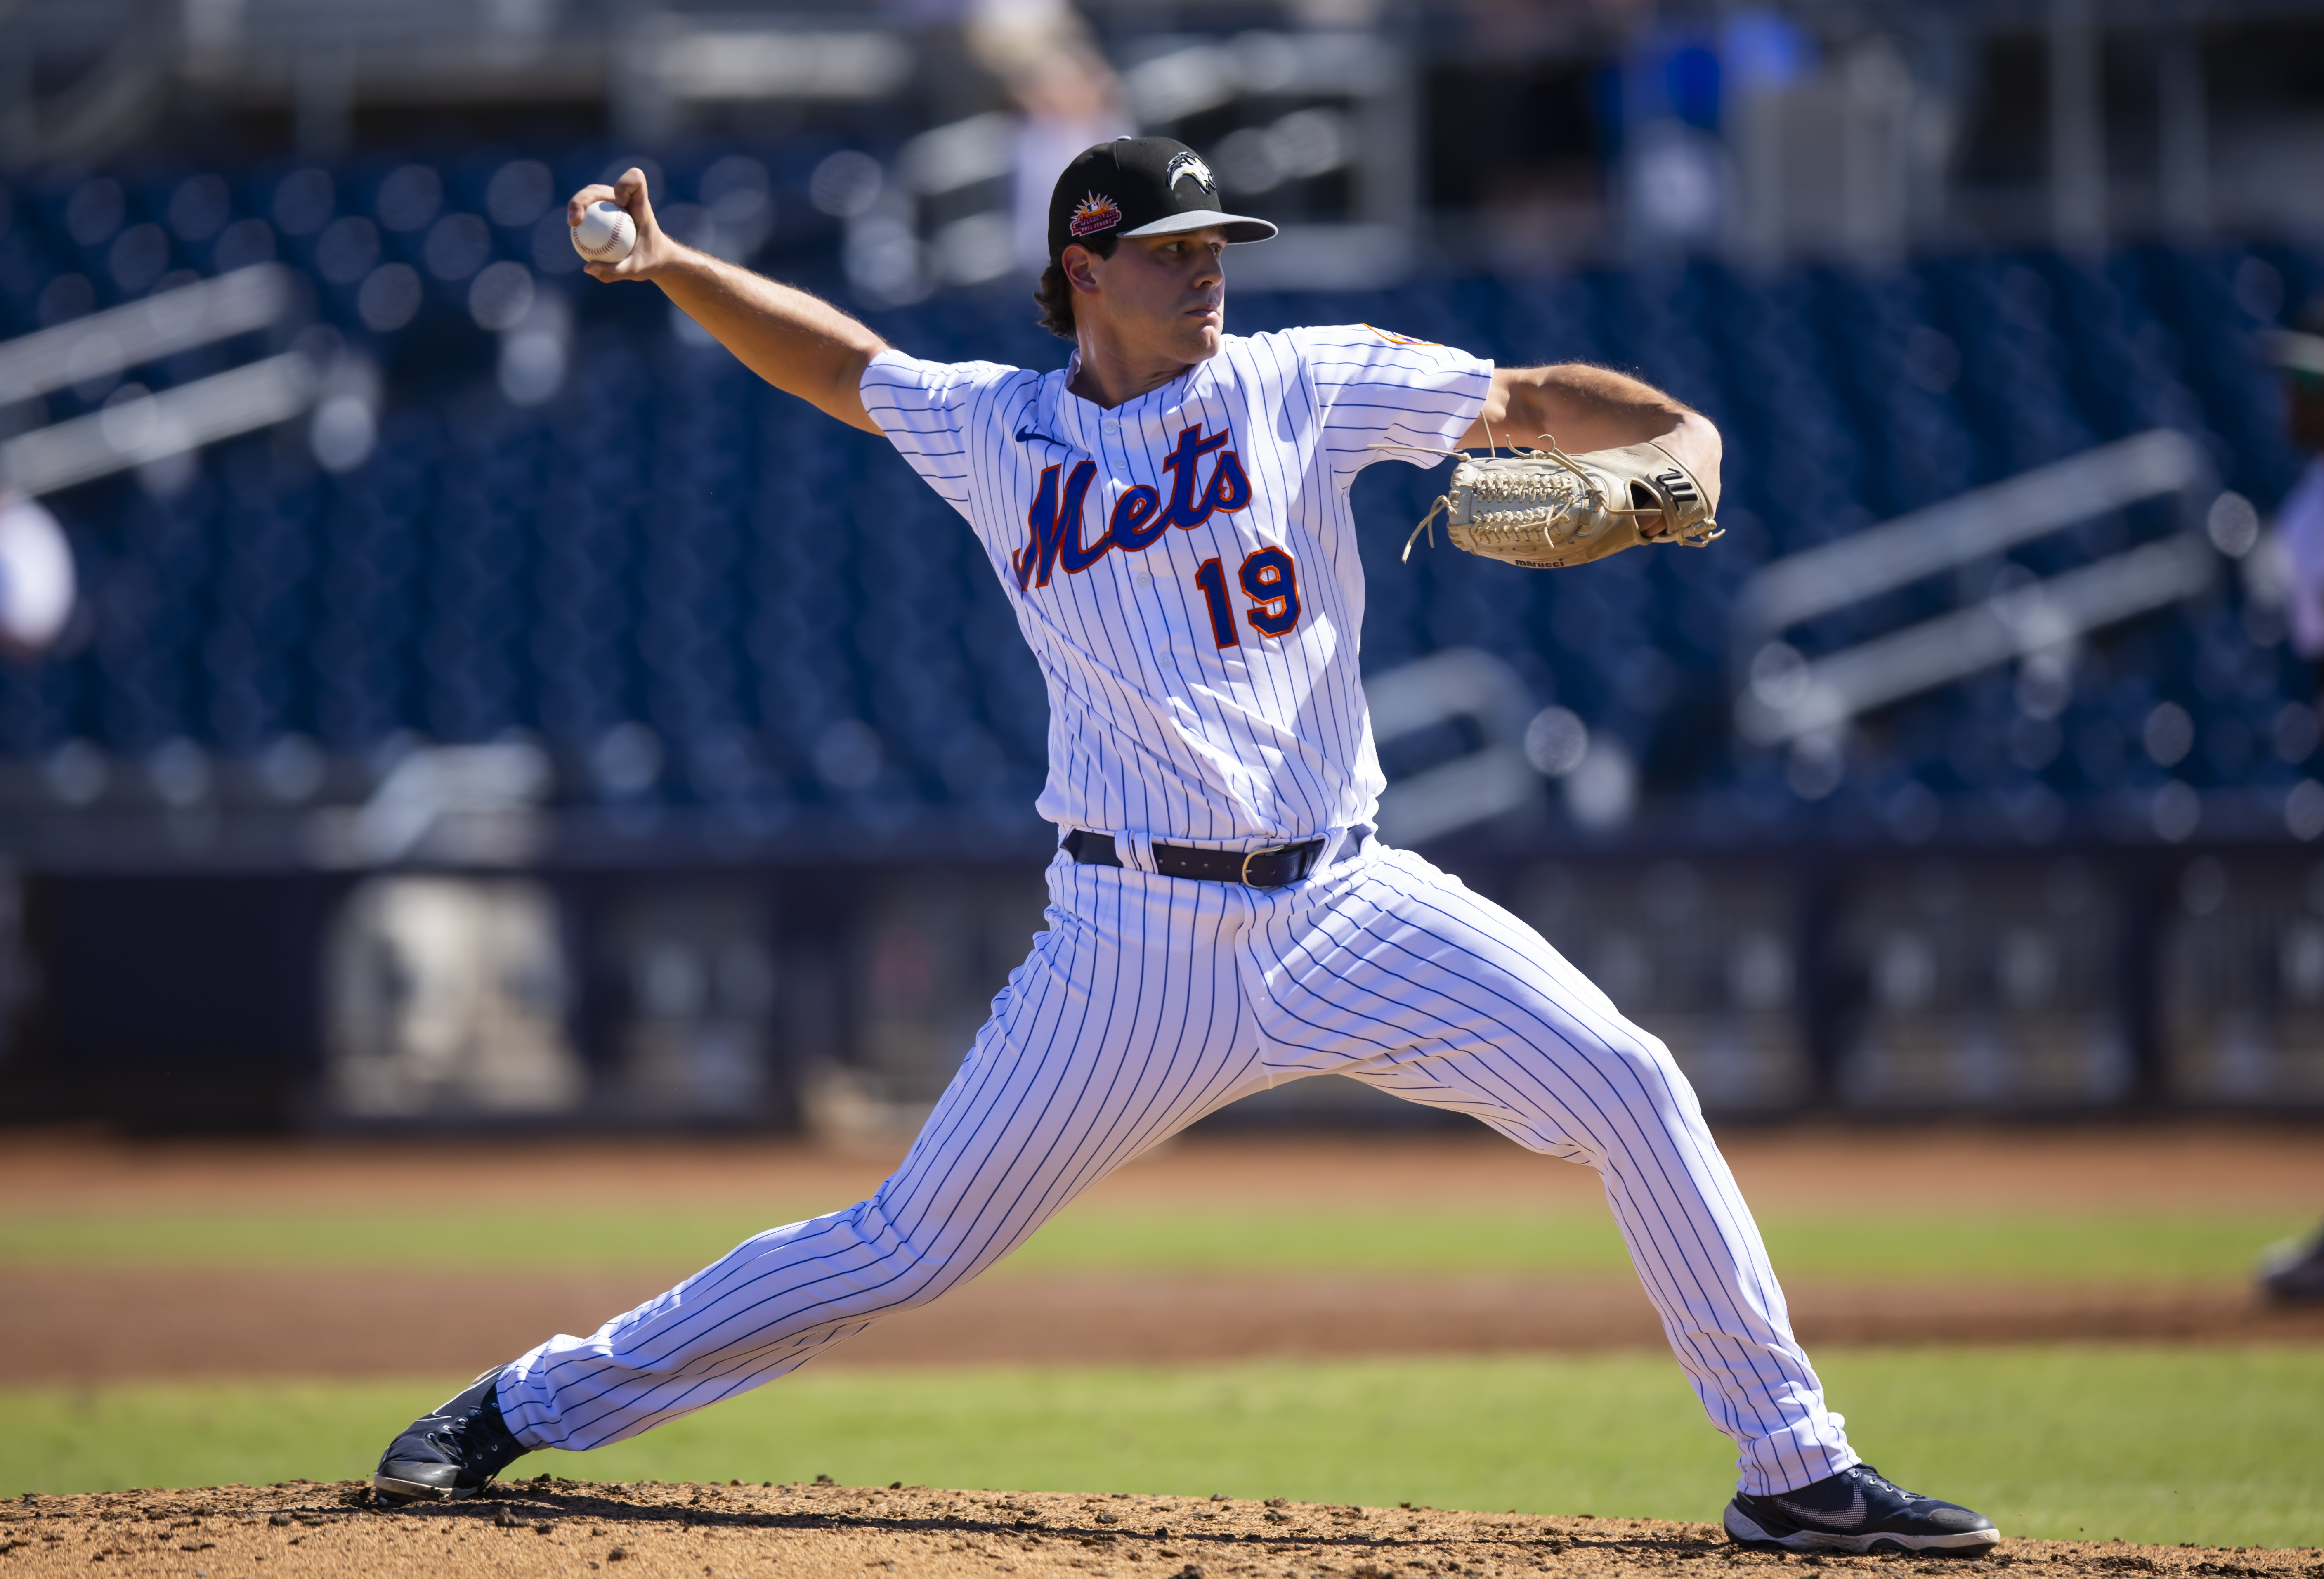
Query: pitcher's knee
(1633, 1069)
(1647, 1060)
(907, 1270)
(1580, 1096)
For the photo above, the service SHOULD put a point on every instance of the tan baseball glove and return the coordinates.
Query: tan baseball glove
(1544, 510)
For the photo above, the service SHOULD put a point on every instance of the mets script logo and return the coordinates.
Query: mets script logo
(1094, 213)
(1188, 163)
(1140, 517)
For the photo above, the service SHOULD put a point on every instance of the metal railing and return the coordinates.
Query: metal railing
(1781, 697)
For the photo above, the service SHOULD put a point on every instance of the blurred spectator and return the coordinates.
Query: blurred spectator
(2300, 352)
(36, 577)
(1043, 54)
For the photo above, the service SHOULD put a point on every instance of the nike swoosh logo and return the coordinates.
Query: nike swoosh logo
(1852, 1517)
(1026, 436)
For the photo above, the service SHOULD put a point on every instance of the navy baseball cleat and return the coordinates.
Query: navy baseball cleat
(1858, 1511)
(452, 1451)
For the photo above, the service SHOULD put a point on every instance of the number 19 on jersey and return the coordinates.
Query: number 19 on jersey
(1270, 580)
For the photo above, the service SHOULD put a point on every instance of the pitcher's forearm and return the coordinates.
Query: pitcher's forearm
(1586, 408)
(800, 344)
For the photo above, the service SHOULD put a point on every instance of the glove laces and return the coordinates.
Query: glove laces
(1508, 488)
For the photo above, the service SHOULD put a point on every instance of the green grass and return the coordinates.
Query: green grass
(2213, 1446)
(2045, 1247)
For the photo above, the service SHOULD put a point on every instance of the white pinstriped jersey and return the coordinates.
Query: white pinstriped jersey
(1185, 565)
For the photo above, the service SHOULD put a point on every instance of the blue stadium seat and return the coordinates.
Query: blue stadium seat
(670, 542)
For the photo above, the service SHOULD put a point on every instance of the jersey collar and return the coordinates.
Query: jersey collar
(1066, 418)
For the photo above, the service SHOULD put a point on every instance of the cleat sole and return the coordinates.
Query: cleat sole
(1745, 1531)
(415, 1491)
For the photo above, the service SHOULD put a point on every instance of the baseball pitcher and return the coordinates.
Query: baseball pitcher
(1168, 516)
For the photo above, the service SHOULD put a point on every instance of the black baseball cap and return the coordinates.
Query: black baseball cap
(1140, 185)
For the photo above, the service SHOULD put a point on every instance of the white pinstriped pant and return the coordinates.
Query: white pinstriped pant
(1149, 1002)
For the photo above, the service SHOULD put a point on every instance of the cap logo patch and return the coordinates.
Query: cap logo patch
(1094, 213)
(1187, 164)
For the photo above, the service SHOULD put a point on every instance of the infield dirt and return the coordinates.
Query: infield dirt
(93, 1325)
(548, 1526)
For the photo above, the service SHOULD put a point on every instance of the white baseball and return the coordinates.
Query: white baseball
(605, 234)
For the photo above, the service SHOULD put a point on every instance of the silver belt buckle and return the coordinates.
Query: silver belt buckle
(1244, 876)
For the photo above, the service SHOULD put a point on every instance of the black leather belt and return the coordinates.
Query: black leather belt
(1268, 868)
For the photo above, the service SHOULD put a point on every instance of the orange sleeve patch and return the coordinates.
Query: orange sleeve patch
(1396, 339)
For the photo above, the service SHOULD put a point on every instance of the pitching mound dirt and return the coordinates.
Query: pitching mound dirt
(558, 1527)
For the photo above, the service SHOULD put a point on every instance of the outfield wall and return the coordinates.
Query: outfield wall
(602, 995)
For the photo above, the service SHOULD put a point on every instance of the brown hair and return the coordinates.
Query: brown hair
(1055, 292)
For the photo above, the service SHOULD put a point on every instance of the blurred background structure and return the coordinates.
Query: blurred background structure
(442, 691)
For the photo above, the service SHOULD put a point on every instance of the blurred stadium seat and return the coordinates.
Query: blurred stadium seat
(699, 594)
